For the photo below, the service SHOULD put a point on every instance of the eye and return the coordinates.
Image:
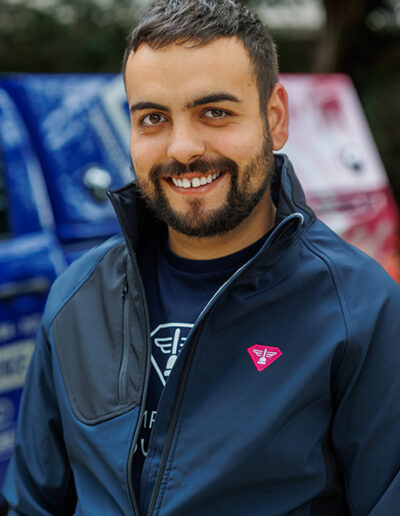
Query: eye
(152, 119)
(215, 114)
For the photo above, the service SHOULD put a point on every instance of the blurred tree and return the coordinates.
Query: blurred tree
(357, 42)
(81, 36)
(360, 38)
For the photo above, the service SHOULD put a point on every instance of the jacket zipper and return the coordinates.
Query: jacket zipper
(279, 231)
(172, 425)
(144, 394)
(122, 388)
(124, 294)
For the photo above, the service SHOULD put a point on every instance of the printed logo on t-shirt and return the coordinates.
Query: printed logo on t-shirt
(168, 339)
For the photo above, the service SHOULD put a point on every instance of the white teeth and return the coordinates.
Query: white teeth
(195, 182)
(177, 182)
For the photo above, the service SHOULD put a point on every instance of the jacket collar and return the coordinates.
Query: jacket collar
(136, 219)
(286, 191)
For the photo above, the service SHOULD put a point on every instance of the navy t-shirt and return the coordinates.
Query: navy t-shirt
(177, 290)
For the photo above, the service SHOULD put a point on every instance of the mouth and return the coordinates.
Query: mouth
(194, 182)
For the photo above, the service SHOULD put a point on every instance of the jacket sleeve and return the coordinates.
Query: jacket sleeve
(39, 480)
(366, 426)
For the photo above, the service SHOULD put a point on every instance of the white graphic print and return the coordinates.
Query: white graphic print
(167, 341)
(148, 421)
(264, 355)
(169, 338)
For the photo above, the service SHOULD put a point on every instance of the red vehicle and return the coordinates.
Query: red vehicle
(335, 157)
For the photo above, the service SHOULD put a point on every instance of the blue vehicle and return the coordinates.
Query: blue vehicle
(63, 144)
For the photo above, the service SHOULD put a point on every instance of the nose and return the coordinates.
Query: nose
(185, 144)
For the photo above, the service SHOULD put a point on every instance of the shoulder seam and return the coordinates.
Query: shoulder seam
(336, 281)
(84, 279)
(346, 320)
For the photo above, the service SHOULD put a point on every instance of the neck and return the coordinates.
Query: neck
(256, 225)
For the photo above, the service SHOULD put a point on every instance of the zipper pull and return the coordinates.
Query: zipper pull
(125, 289)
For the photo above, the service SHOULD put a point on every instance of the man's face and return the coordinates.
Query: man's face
(200, 147)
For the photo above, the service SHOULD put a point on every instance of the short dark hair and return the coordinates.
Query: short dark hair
(201, 21)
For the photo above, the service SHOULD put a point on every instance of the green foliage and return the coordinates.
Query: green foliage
(81, 36)
(89, 36)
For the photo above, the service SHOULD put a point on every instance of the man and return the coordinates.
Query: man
(230, 355)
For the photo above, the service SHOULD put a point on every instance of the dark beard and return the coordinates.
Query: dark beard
(197, 222)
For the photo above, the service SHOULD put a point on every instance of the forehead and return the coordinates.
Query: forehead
(179, 72)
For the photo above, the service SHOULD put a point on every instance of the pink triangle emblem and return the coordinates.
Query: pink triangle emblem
(263, 356)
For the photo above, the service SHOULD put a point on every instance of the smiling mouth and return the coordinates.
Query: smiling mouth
(196, 182)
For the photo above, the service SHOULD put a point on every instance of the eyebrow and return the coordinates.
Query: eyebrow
(207, 99)
(213, 97)
(148, 105)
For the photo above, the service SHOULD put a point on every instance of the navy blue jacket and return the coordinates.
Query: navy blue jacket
(285, 399)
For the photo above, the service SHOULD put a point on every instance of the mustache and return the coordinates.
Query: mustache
(202, 166)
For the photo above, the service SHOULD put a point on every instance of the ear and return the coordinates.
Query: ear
(278, 116)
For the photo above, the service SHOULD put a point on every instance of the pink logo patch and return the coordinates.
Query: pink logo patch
(263, 356)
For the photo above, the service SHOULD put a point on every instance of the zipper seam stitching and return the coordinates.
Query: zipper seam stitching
(133, 499)
(162, 479)
(122, 394)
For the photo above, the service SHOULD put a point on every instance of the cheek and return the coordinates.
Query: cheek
(238, 144)
(144, 154)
